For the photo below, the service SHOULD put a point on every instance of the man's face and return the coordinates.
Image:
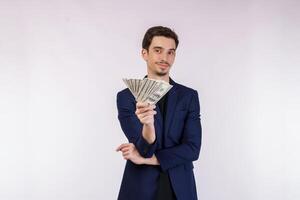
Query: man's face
(160, 56)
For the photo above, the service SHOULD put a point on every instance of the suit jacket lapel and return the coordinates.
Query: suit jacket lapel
(158, 117)
(171, 104)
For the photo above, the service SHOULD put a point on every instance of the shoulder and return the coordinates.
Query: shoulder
(125, 97)
(188, 96)
(184, 90)
(124, 93)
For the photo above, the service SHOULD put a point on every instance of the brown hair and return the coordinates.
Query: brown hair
(158, 31)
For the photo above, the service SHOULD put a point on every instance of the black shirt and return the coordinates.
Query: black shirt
(165, 191)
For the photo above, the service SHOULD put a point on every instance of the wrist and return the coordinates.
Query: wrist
(149, 125)
(151, 161)
(150, 139)
(149, 133)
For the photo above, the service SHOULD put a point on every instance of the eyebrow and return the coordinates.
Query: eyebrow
(159, 47)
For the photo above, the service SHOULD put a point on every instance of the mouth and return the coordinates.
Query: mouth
(163, 65)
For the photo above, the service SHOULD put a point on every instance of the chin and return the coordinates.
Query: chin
(162, 73)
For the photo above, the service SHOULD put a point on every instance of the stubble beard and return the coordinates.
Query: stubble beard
(161, 73)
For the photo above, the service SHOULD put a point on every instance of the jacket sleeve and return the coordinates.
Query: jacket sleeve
(189, 148)
(132, 127)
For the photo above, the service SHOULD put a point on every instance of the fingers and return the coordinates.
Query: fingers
(126, 149)
(146, 119)
(148, 113)
(142, 104)
(126, 153)
(142, 112)
(145, 112)
(145, 109)
(119, 148)
(129, 152)
(124, 146)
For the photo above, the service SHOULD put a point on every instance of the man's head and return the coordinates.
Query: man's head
(159, 50)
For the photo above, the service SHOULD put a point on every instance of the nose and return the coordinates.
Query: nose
(164, 57)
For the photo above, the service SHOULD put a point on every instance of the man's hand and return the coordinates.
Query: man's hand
(129, 152)
(145, 112)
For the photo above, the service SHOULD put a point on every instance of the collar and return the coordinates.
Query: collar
(171, 82)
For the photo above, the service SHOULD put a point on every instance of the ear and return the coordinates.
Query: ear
(144, 53)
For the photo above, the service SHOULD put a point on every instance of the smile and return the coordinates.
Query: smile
(163, 65)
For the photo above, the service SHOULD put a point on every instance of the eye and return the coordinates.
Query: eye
(157, 50)
(171, 52)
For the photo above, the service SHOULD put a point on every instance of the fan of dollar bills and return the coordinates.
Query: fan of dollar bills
(147, 90)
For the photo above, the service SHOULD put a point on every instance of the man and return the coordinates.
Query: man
(164, 139)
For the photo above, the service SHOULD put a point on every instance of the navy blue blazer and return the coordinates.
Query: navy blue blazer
(182, 142)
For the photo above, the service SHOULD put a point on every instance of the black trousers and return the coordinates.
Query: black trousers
(165, 190)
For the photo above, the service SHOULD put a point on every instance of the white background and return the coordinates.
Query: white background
(61, 65)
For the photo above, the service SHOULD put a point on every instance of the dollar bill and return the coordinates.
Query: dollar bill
(147, 90)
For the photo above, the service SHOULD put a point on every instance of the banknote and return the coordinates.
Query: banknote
(147, 90)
